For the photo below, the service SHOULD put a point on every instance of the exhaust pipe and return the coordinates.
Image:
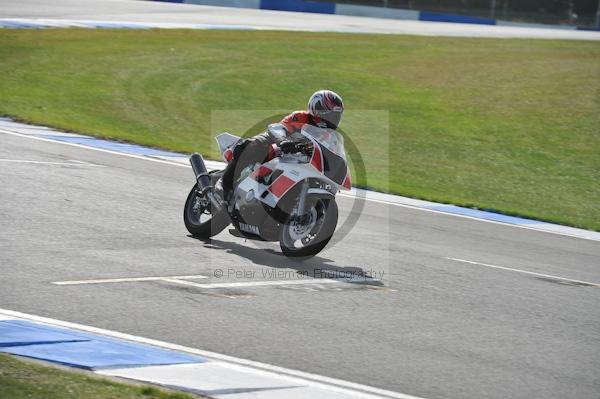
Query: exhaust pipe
(200, 171)
(203, 179)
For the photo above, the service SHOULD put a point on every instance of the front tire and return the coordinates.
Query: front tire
(305, 239)
(198, 217)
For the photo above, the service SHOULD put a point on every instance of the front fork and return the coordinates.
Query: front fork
(300, 215)
(302, 198)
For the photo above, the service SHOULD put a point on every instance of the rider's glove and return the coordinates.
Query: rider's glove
(287, 147)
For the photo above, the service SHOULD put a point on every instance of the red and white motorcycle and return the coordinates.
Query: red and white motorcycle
(290, 198)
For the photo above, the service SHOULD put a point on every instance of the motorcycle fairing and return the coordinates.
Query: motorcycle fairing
(329, 155)
(268, 183)
(261, 196)
(226, 143)
(288, 175)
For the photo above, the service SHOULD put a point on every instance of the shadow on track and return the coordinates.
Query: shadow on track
(316, 267)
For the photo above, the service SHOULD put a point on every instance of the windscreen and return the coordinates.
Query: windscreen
(328, 138)
(331, 142)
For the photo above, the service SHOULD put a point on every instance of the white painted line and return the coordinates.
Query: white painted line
(124, 280)
(586, 235)
(524, 271)
(341, 194)
(255, 283)
(27, 136)
(300, 377)
(581, 233)
(72, 163)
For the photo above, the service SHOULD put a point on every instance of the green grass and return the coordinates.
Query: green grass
(507, 125)
(27, 380)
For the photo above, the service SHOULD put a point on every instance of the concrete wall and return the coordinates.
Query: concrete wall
(356, 10)
(376, 12)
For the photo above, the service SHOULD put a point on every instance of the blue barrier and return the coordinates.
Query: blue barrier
(461, 19)
(298, 6)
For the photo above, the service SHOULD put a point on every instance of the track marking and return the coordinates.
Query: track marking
(28, 136)
(125, 280)
(72, 163)
(523, 271)
(265, 369)
(416, 207)
(255, 283)
(147, 158)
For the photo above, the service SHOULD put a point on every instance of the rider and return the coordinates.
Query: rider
(325, 109)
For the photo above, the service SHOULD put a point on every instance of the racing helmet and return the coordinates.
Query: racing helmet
(328, 106)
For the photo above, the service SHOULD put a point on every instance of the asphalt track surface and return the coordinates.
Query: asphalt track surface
(167, 13)
(437, 328)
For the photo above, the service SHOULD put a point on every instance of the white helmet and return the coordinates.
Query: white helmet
(327, 105)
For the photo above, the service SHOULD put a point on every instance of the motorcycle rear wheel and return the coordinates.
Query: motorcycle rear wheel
(303, 240)
(198, 218)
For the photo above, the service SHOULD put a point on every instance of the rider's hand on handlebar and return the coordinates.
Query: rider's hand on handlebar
(305, 147)
(288, 147)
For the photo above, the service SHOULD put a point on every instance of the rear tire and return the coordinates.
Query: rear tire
(326, 213)
(199, 226)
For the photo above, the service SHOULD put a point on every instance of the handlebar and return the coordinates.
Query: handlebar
(289, 147)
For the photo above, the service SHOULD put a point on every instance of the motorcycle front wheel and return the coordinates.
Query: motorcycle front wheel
(198, 217)
(304, 237)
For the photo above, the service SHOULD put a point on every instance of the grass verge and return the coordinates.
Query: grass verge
(497, 124)
(22, 379)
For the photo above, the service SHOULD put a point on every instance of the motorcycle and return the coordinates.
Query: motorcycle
(289, 198)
